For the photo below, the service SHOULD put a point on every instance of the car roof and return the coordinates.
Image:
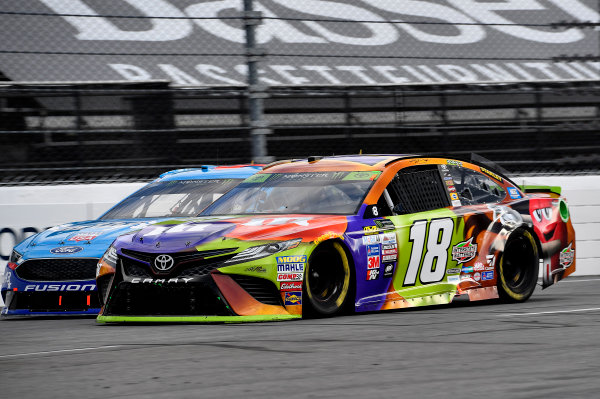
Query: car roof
(211, 172)
(360, 162)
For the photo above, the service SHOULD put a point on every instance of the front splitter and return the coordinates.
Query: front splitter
(196, 319)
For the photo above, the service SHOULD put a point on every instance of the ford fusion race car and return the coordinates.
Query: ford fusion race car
(322, 236)
(54, 272)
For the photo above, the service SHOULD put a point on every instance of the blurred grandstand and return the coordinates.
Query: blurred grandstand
(519, 86)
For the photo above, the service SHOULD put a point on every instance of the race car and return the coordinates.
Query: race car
(53, 272)
(327, 235)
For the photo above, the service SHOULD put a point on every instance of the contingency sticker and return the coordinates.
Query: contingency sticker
(293, 298)
(464, 251)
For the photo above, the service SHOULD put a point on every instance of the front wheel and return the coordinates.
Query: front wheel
(518, 268)
(327, 281)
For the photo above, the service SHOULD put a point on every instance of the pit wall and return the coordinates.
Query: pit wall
(29, 209)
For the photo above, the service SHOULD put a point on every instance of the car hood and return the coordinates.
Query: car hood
(174, 235)
(85, 237)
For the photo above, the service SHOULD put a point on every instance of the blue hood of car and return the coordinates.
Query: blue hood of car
(88, 239)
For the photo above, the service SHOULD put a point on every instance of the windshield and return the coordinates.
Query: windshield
(171, 199)
(308, 192)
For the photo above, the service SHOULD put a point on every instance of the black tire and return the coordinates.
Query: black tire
(518, 268)
(327, 288)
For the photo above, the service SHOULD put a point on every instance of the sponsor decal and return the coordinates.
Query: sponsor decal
(370, 175)
(478, 267)
(467, 269)
(452, 189)
(444, 167)
(465, 277)
(455, 270)
(176, 280)
(464, 251)
(491, 260)
(388, 238)
(294, 286)
(393, 251)
(293, 298)
(258, 178)
(388, 270)
(514, 193)
(290, 276)
(454, 279)
(453, 162)
(372, 274)
(256, 269)
(385, 224)
(373, 262)
(60, 287)
(456, 203)
(477, 276)
(328, 236)
(491, 174)
(454, 197)
(372, 250)
(448, 178)
(367, 230)
(291, 267)
(66, 250)
(389, 258)
(292, 259)
(450, 182)
(487, 275)
(84, 237)
(389, 246)
(567, 256)
(368, 240)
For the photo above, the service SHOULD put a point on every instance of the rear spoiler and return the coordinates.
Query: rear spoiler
(542, 189)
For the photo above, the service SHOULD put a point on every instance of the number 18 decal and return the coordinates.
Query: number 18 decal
(436, 251)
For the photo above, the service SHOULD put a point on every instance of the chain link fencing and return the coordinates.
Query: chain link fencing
(125, 89)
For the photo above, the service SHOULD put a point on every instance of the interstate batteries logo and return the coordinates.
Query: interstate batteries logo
(567, 256)
(464, 251)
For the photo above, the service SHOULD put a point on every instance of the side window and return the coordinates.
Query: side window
(475, 188)
(417, 189)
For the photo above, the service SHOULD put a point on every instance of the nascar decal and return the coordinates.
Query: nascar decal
(567, 256)
(464, 251)
(293, 298)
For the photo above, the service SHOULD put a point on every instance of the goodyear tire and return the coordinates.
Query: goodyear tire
(327, 281)
(518, 267)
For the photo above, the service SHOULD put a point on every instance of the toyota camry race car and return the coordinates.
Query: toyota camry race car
(322, 236)
(53, 272)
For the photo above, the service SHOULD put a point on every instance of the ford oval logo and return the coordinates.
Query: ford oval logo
(65, 250)
(164, 262)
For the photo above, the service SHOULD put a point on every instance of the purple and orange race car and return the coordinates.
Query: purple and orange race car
(322, 236)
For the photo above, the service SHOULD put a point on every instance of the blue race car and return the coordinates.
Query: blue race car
(53, 272)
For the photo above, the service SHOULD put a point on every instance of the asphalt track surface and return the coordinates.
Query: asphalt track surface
(548, 347)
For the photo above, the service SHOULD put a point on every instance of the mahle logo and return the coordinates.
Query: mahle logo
(464, 251)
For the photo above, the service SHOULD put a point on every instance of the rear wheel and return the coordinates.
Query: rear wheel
(518, 268)
(327, 281)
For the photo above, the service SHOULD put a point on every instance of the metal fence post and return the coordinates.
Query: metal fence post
(256, 91)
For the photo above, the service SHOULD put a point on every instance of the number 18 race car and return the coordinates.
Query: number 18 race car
(322, 236)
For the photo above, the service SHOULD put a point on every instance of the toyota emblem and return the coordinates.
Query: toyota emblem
(164, 262)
